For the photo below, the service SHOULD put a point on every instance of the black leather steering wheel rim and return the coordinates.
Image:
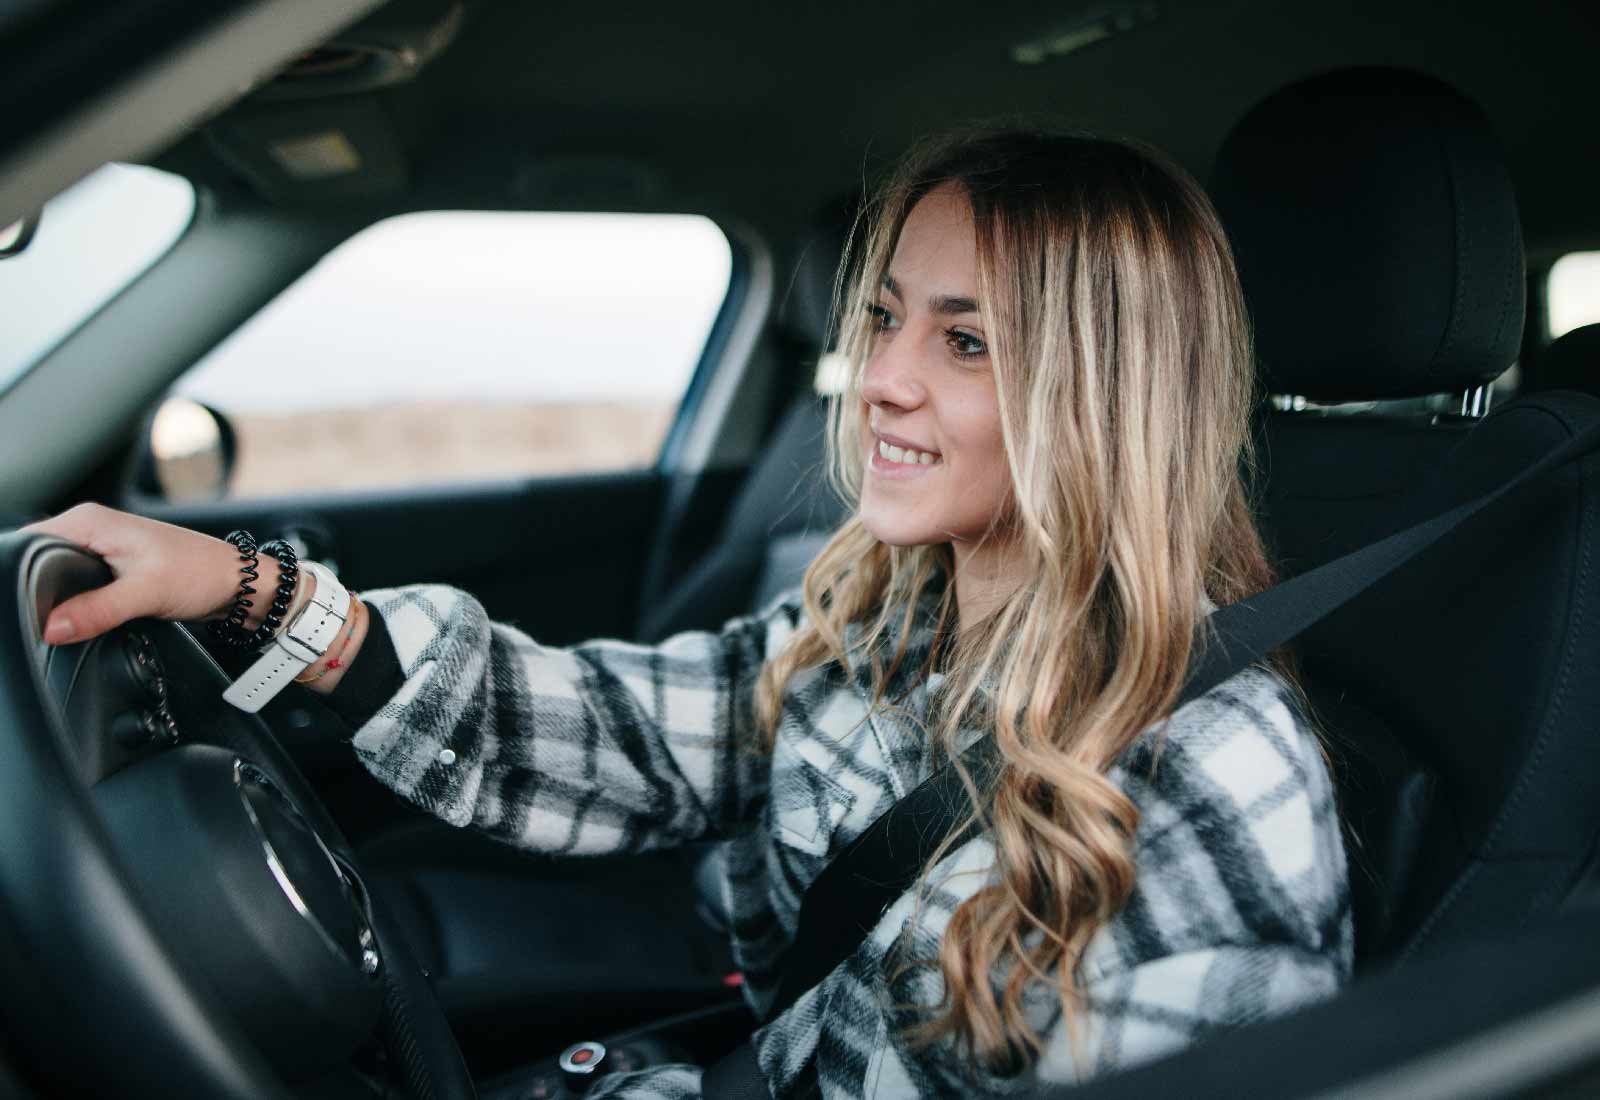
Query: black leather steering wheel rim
(80, 946)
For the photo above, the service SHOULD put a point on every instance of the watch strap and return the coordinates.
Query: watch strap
(299, 644)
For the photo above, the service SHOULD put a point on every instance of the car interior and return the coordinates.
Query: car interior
(1398, 181)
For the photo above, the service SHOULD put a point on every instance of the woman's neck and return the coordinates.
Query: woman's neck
(986, 574)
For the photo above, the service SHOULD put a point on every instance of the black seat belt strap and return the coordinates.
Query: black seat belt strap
(848, 898)
(1247, 631)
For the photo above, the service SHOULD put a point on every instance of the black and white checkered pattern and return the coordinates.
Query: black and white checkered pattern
(1240, 909)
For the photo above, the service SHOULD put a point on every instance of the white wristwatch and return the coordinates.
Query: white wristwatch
(306, 638)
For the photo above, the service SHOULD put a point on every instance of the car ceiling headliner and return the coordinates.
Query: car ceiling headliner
(768, 111)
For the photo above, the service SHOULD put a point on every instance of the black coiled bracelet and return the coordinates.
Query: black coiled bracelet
(288, 578)
(230, 629)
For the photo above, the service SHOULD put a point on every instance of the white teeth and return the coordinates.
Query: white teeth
(905, 456)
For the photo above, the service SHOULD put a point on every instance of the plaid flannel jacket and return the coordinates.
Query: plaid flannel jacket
(1240, 908)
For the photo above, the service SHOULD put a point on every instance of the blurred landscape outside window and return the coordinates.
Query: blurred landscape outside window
(1574, 292)
(93, 240)
(460, 346)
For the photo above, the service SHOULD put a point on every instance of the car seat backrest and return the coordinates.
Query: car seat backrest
(1378, 244)
(1572, 362)
(784, 511)
(783, 507)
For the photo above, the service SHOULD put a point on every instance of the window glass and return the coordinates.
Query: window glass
(458, 346)
(1574, 292)
(93, 240)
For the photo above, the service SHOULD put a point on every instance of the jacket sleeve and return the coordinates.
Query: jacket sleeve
(598, 748)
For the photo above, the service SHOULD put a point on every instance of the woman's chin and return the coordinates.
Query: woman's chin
(896, 531)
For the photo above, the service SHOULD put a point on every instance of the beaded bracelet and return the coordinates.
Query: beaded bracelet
(230, 629)
(288, 580)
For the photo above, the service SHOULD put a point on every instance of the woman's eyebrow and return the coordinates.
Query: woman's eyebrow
(947, 304)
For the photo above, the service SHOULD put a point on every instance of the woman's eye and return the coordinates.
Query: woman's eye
(964, 344)
(879, 319)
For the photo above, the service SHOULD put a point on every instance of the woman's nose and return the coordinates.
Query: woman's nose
(890, 379)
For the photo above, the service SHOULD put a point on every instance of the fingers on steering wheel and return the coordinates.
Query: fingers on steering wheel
(90, 614)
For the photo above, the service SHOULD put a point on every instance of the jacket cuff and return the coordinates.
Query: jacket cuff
(371, 680)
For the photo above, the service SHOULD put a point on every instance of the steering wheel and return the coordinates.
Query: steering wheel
(179, 914)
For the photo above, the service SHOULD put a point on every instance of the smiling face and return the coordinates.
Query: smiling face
(936, 468)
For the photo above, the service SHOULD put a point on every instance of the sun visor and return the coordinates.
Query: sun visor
(318, 129)
(311, 151)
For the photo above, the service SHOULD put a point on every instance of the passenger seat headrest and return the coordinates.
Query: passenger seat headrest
(1572, 362)
(1376, 235)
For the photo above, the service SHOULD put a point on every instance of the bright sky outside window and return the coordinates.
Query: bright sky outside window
(1574, 290)
(491, 305)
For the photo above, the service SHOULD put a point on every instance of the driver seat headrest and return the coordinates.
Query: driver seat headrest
(1376, 235)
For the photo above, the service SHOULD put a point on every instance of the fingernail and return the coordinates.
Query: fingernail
(58, 631)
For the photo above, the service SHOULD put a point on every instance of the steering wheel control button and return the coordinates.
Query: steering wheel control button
(581, 1063)
(144, 666)
(137, 729)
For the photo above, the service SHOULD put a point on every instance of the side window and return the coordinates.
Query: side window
(458, 346)
(1573, 292)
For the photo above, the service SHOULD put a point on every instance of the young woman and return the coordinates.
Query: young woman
(1043, 432)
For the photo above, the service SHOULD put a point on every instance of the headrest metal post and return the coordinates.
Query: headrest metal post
(1475, 402)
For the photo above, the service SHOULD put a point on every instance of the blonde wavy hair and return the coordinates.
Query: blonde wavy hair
(1122, 359)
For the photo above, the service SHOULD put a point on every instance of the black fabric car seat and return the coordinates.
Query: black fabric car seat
(780, 518)
(1572, 361)
(1378, 243)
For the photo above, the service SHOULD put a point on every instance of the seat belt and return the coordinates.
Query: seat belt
(849, 897)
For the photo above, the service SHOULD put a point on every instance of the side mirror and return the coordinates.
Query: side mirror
(187, 453)
(15, 237)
